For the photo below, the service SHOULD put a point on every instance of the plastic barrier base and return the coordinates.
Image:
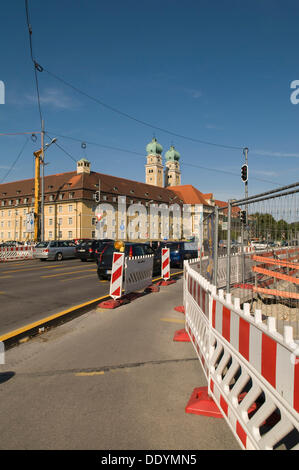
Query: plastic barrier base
(201, 403)
(113, 303)
(167, 283)
(180, 308)
(182, 336)
(153, 288)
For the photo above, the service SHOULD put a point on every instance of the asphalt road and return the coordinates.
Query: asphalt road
(109, 379)
(31, 290)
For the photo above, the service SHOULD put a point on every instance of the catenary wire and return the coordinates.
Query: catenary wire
(35, 64)
(129, 116)
(15, 162)
(142, 156)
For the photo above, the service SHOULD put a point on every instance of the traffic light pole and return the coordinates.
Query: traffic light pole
(245, 151)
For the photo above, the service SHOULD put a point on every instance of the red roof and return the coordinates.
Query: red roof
(189, 194)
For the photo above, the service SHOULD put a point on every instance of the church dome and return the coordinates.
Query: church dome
(154, 147)
(172, 155)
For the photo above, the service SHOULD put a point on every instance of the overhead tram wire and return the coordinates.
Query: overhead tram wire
(97, 144)
(15, 162)
(36, 65)
(133, 118)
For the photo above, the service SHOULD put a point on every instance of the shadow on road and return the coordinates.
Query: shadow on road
(5, 376)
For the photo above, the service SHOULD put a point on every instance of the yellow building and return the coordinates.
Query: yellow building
(70, 203)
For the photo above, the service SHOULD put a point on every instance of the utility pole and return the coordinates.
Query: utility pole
(37, 155)
(43, 181)
(39, 211)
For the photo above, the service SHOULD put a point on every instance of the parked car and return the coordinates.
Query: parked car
(88, 250)
(179, 251)
(54, 250)
(131, 249)
(79, 241)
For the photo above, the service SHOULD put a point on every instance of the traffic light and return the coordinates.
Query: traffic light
(97, 196)
(243, 217)
(244, 173)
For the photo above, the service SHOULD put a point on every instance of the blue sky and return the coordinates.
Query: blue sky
(217, 71)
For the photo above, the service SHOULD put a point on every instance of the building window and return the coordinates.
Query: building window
(60, 234)
(59, 221)
(71, 208)
(93, 234)
(50, 235)
(94, 221)
(70, 234)
(104, 198)
(59, 208)
(51, 197)
(10, 202)
(71, 195)
(8, 234)
(50, 221)
(60, 196)
(50, 209)
(26, 200)
(70, 221)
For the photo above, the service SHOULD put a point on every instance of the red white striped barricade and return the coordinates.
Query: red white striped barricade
(165, 265)
(138, 273)
(15, 253)
(252, 370)
(116, 281)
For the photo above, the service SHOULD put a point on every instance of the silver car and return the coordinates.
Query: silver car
(55, 250)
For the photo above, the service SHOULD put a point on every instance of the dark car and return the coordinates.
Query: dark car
(179, 251)
(88, 250)
(131, 249)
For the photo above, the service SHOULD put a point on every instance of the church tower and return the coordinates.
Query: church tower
(172, 170)
(154, 166)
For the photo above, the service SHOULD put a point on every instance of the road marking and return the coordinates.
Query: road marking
(172, 320)
(78, 277)
(69, 272)
(5, 277)
(19, 331)
(32, 269)
(89, 374)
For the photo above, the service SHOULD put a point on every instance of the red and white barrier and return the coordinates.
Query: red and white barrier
(251, 369)
(165, 265)
(116, 281)
(12, 253)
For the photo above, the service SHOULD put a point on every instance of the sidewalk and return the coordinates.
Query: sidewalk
(110, 379)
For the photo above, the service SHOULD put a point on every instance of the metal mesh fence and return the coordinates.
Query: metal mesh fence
(266, 231)
(253, 253)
